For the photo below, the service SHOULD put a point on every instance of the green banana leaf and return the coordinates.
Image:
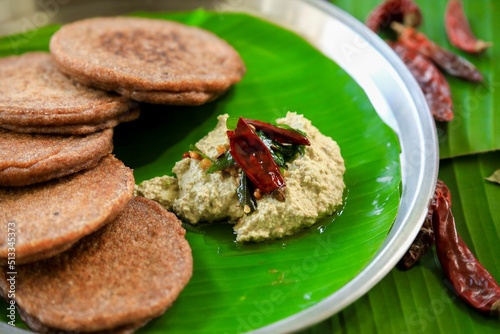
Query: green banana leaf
(241, 287)
(476, 114)
(419, 300)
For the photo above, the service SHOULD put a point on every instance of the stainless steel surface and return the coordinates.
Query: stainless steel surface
(400, 103)
(391, 88)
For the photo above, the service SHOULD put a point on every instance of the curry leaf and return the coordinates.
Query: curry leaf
(277, 156)
(245, 194)
(281, 153)
(222, 162)
(288, 127)
(194, 148)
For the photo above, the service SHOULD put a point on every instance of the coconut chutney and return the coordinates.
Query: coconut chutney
(314, 187)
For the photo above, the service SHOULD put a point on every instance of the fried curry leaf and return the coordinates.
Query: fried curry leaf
(194, 148)
(245, 194)
(224, 161)
(288, 127)
(282, 153)
(278, 158)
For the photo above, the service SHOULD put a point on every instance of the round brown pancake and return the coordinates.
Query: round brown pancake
(27, 159)
(51, 216)
(128, 55)
(76, 129)
(38, 94)
(126, 273)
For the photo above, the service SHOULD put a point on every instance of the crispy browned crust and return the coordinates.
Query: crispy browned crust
(76, 129)
(125, 274)
(51, 215)
(27, 159)
(134, 56)
(37, 94)
(35, 325)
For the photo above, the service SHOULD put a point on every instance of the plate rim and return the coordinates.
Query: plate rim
(413, 205)
(424, 164)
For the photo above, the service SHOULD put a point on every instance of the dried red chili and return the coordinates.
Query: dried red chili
(406, 11)
(425, 237)
(471, 281)
(458, 29)
(281, 135)
(446, 60)
(255, 160)
(432, 82)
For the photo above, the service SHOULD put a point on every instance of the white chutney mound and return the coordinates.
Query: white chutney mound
(314, 188)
